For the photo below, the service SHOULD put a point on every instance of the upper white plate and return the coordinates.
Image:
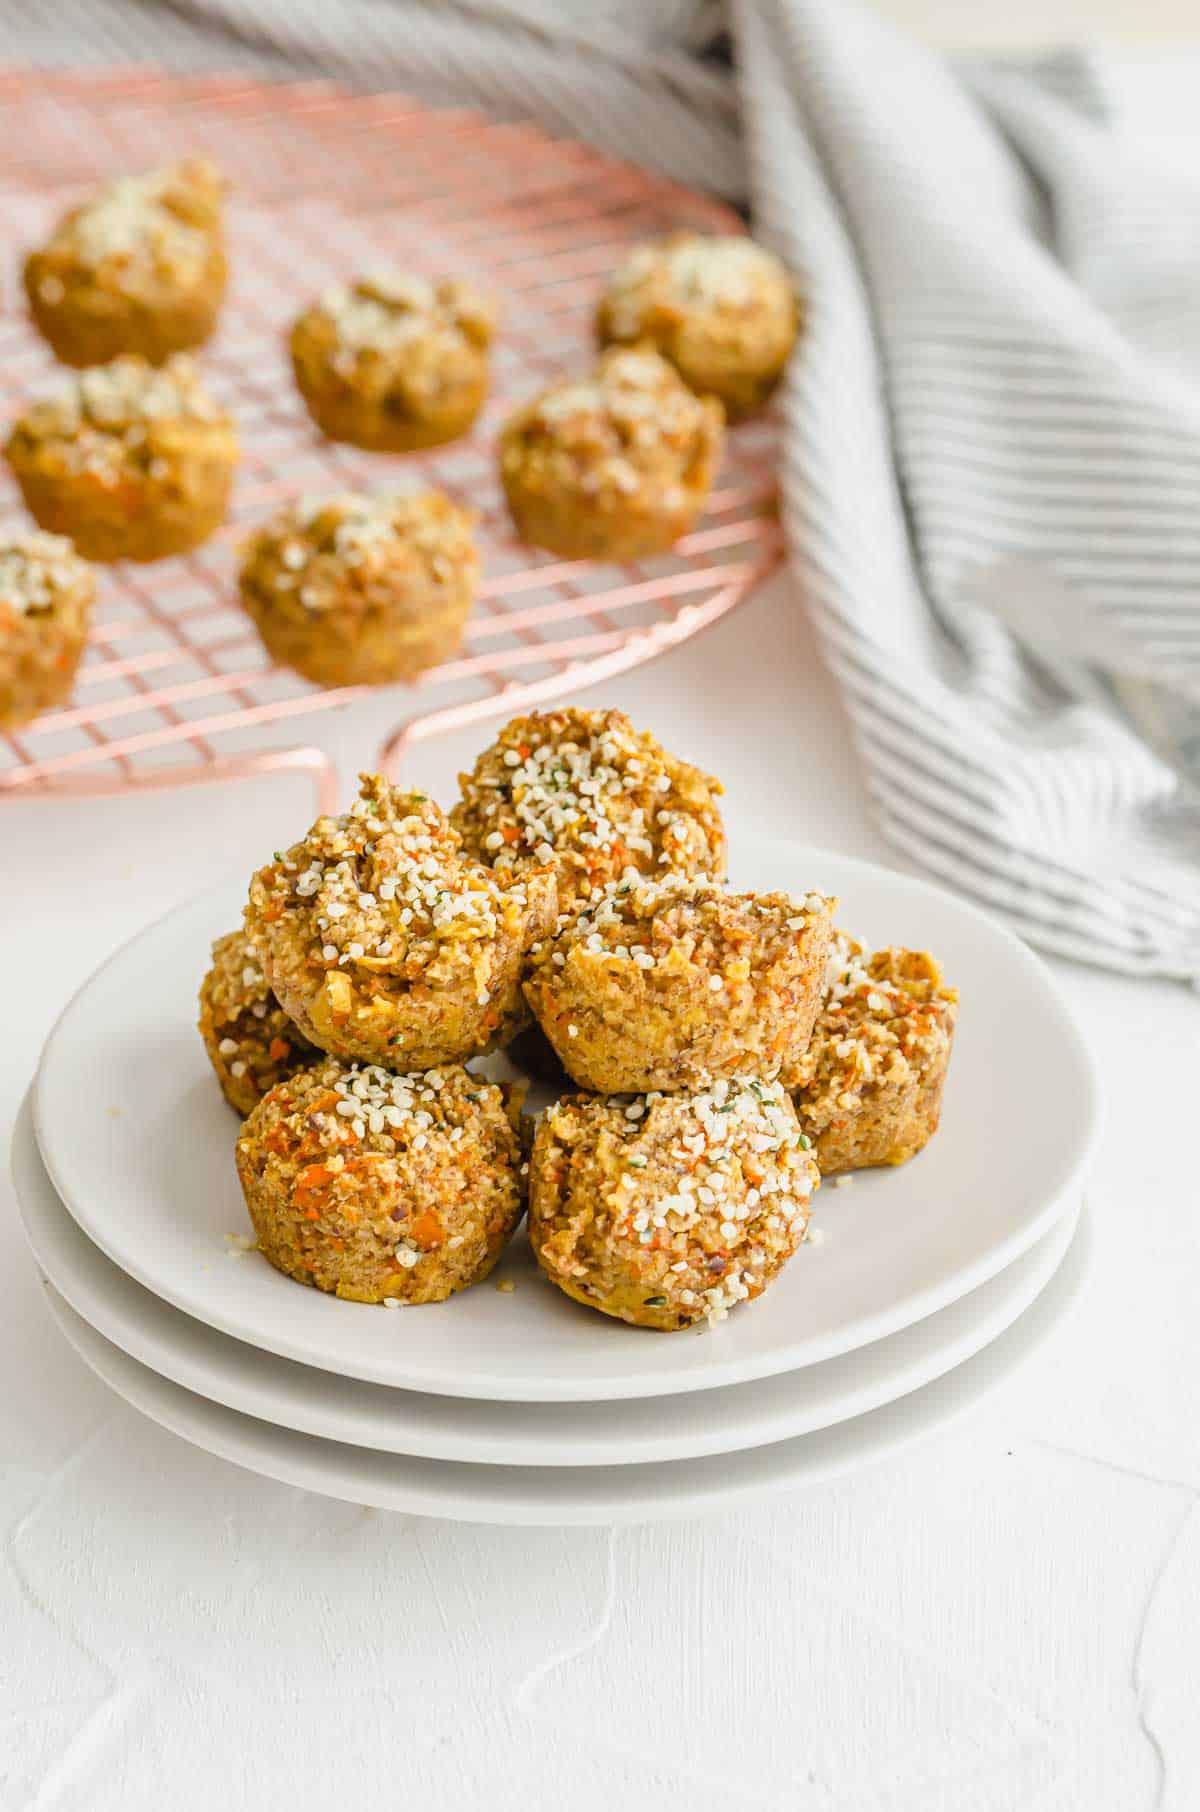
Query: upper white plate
(139, 1144)
(556, 1495)
(511, 1434)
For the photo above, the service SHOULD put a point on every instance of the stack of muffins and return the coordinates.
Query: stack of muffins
(731, 1047)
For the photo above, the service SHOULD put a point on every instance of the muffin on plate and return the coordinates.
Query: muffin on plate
(251, 1042)
(614, 466)
(46, 597)
(722, 309)
(384, 942)
(379, 1187)
(868, 1090)
(664, 984)
(139, 267)
(598, 800)
(131, 462)
(392, 362)
(362, 590)
(663, 1210)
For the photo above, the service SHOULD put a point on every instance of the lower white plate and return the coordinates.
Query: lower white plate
(578, 1495)
(544, 1434)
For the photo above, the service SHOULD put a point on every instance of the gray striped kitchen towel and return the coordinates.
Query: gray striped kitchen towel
(992, 457)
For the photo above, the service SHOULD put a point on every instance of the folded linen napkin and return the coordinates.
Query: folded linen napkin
(992, 458)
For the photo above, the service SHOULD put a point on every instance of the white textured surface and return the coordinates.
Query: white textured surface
(1005, 1621)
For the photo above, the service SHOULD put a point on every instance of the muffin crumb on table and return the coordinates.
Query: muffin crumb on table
(868, 1089)
(359, 589)
(383, 941)
(46, 598)
(665, 1210)
(614, 466)
(722, 309)
(131, 461)
(380, 1187)
(392, 362)
(137, 268)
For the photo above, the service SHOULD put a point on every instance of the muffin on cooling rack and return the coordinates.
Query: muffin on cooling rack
(383, 941)
(139, 267)
(381, 1187)
(357, 590)
(613, 466)
(663, 1210)
(131, 462)
(392, 362)
(592, 796)
(251, 1042)
(868, 1090)
(662, 984)
(721, 309)
(46, 596)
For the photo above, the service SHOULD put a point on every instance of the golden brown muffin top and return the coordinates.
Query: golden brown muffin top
(157, 225)
(693, 271)
(879, 1008)
(388, 314)
(385, 886)
(314, 546)
(587, 792)
(40, 572)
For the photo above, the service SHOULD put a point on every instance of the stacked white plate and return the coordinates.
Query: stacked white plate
(926, 1285)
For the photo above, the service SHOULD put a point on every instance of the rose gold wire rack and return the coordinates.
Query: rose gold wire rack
(175, 687)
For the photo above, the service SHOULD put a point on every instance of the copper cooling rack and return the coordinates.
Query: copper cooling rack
(175, 687)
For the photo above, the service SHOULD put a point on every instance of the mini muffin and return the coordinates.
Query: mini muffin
(46, 596)
(665, 1209)
(392, 362)
(382, 1188)
(614, 466)
(140, 267)
(131, 462)
(359, 591)
(383, 941)
(868, 1089)
(722, 310)
(251, 1042)
(601, 801)
(664, 984)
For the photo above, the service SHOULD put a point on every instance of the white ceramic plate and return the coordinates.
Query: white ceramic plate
(577, 1494)
(139, 1145)
(645, 1430)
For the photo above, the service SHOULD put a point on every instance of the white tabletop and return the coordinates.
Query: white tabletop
(1006, 1619)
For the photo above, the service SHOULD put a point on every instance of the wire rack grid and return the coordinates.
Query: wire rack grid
(175, 687)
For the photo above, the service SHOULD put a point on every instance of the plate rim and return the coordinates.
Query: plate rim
(89, 1293)
(780, 1466)
(900, 1313)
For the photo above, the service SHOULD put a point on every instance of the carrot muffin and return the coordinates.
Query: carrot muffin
(251, 1042)
(359, 590)
(663, 984)
(139, 267)
(868, 1089)
(722, 310)
(131, 462)
(613, 466)
(383, 941)
(392, 362)
(46, 596)
(665, 1209)
(585, 791)
(378, 1187)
